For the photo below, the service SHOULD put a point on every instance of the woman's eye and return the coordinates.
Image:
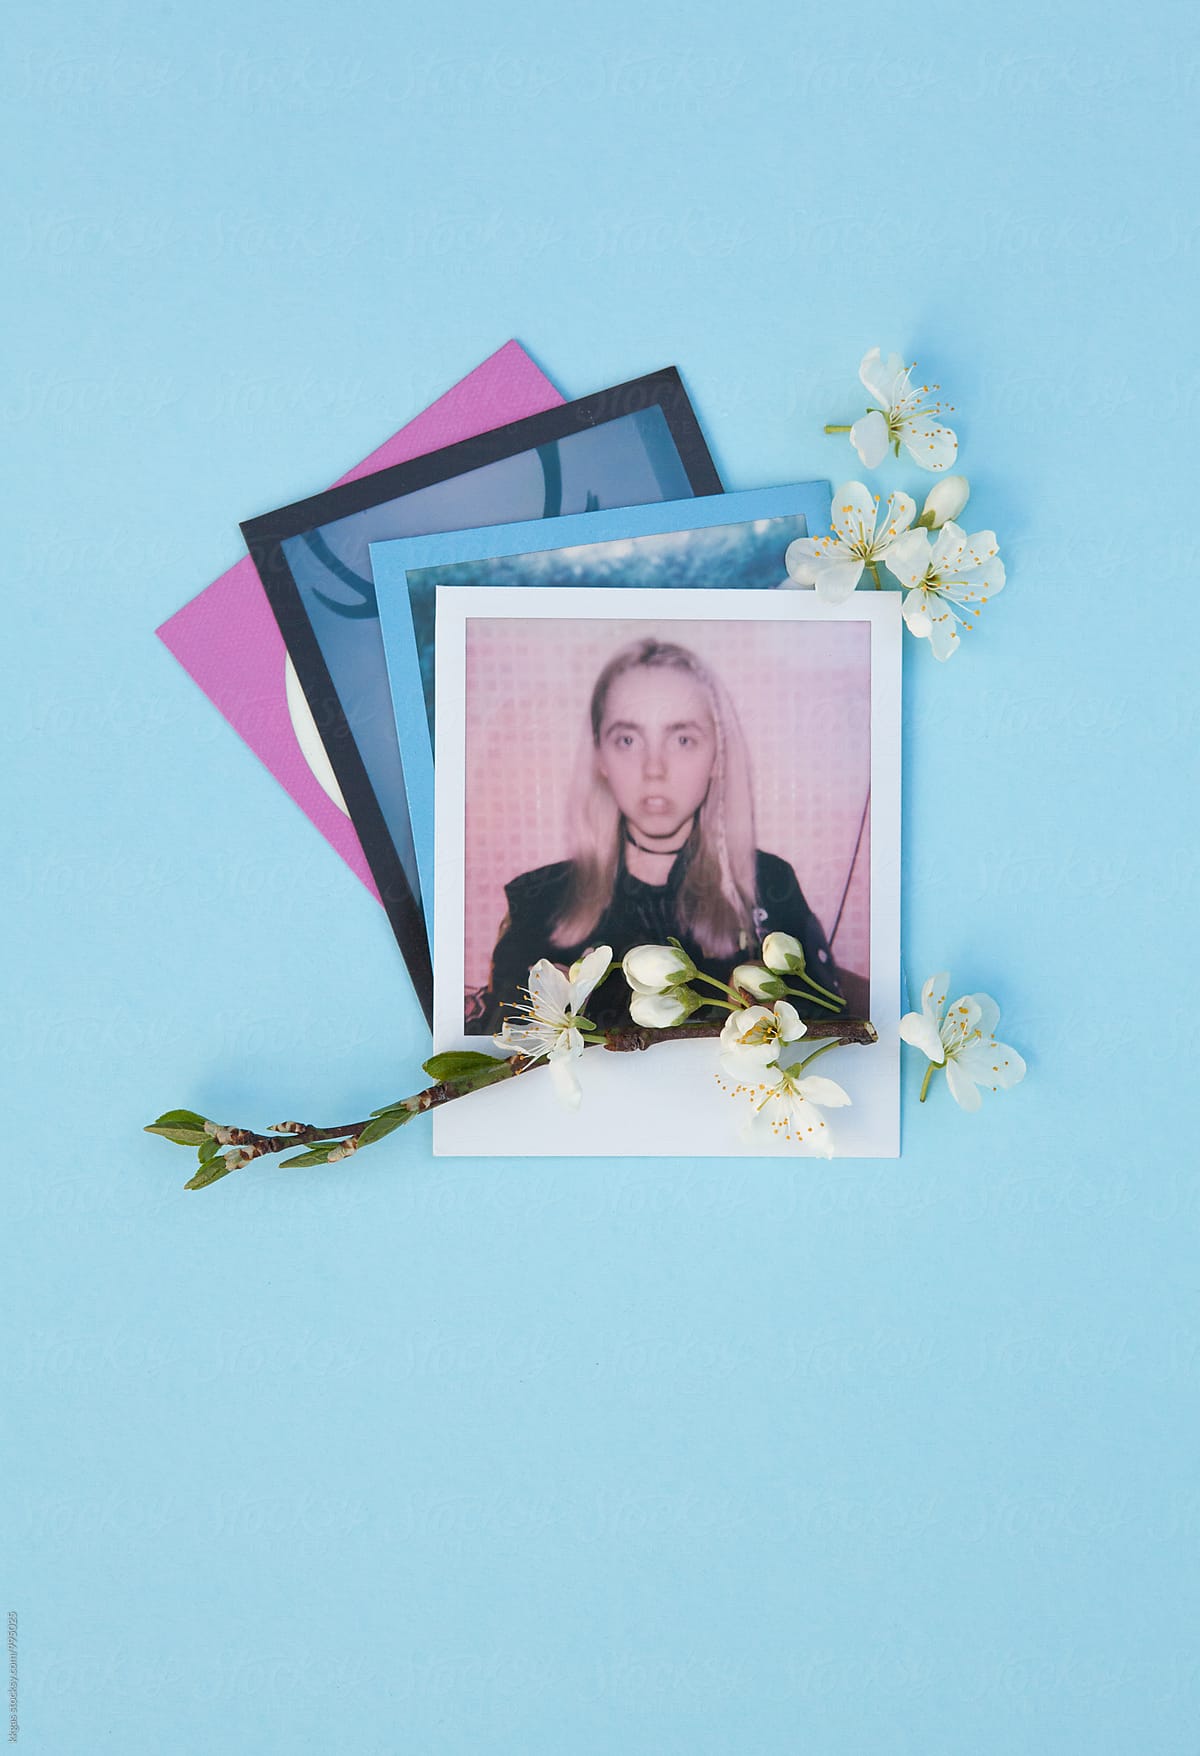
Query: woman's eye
(686, 740)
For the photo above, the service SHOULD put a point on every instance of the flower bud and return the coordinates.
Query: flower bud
(783, 953)
(944, 501)
(661, 1011)
(762, 983)
(649, 969)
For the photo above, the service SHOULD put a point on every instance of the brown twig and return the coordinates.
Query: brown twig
(627, 1037)
(622, 1039)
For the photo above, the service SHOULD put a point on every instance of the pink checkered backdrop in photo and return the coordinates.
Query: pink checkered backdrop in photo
(802, 693)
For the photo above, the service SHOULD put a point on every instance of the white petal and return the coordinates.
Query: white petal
(970, 585)
(749, 1066)
(586, 973)
(963, 1089)
(915, 610)
(992, 1063)
(791, 1026)
(961, 1021)
(983, 574)
(549, 989)
(521, 1039)
(895, 518)
(803, 558)
(566, 1085)
(987, 1013)
(810, 1131)
(929, 444)
(760, 1121)
(1008, 1068)
(943, 631)
(853, 510)
(869, 437)
(933, 994)
(908, 557)
(883, 379)
(922, 1033)
(984, 549)
(949, 550)
(815, 1089)
(757, 1061)
(835, 584)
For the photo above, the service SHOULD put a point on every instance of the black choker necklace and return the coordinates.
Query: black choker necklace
(662, 853)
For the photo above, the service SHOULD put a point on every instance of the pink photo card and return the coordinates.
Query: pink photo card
(227, 640)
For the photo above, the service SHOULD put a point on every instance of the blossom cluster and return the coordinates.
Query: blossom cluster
(947, 577)
(759, 1060)
(755, 1051)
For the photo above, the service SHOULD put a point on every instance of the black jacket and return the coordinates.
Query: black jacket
(638, 914)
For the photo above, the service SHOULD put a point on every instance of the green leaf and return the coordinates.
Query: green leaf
(381, 1127)
(181, 1136)
(316, 1155)
(458, 1063)
(210, 1149)
(184, 1127)
(212, 1172)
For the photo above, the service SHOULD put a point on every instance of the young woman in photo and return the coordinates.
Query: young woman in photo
(662, 824)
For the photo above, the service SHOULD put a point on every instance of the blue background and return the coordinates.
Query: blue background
(582, 1457)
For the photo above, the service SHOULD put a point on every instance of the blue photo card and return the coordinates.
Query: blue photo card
(731, 541)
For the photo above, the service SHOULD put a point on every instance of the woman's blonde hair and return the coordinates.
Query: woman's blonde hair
(716, 897)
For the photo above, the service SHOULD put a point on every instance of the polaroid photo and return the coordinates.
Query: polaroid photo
(734, 541)
(634, 443)
(619, 768)
(229, 643)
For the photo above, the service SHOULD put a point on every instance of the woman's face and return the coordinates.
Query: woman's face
(657, 747)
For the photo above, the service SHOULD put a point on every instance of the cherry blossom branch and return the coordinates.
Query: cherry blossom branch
(455, 1075)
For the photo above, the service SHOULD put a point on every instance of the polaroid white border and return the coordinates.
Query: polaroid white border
(664, 1103)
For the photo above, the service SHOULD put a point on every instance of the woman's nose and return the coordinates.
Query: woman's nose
(653, 763)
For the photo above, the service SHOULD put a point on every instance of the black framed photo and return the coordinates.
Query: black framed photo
(634, 444)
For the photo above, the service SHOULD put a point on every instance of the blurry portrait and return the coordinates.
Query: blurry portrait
(632, 781)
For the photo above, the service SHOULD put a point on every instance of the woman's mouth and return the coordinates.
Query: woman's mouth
(656, 805)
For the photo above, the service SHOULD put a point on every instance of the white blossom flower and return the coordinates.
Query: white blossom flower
(548, 1028)
(650, 969)
(944, 501)
(962, 1039)
(755, 1036)
(782, 952)
(947, 580)
(903, 416)
(759, 983)
(786, 1103)
(661, 1011)
(861, 537)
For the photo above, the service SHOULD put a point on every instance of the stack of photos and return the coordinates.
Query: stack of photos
(547, 687)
